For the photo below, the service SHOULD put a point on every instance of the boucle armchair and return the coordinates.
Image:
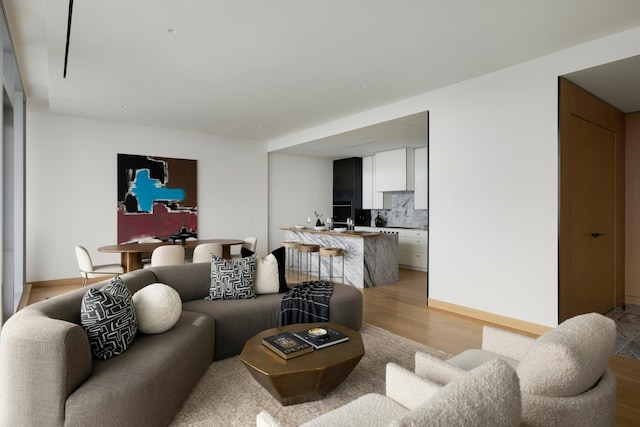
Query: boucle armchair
(563, 374)
(486, 396)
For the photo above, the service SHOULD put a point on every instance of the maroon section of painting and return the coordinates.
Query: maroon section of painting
(160, 224)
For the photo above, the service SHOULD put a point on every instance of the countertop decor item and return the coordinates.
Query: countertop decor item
(380, 222)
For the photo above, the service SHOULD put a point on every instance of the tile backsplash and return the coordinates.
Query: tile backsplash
(402, 212)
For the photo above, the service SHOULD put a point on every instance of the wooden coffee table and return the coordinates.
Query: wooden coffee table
(304, 378)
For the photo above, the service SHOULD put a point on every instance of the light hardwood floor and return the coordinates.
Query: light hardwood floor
(401, 309)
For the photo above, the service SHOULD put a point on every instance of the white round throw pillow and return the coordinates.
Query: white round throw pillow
(158, 308)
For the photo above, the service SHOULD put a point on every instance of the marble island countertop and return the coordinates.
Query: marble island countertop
(335, 233)
(392, 227)
(369, 258)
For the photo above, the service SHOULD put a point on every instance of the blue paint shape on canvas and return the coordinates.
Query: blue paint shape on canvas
(148, 190)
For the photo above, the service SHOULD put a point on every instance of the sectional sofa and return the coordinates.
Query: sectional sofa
(48, 376)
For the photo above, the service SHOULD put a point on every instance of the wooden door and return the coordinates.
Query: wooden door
(591, 203)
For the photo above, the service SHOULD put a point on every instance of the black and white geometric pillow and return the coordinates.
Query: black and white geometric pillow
(109, 318)
(232, 279)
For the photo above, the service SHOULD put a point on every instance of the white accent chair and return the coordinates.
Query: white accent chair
(146, 262)
(486, 396)
(202, 252)
(90, 271)
(563, 374)
(250, 243)
(167, 255)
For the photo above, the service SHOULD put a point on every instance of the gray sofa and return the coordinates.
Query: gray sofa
(49, 378)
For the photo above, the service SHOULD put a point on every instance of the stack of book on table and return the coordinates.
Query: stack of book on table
(287, 345)
(321, 337)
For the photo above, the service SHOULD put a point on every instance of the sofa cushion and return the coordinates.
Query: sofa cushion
(232, 279)
(192, 281)
(158, 308)
(569, 359)
(109, 318)
(279, 255)
(238, 320)
(148, 384)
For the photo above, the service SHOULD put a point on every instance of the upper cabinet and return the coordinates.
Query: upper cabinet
(371, 199)
(421, 194)
(347, 181)
(394, 170)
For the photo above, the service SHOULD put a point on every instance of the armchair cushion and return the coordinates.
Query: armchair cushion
(505, 343)
(469, 359)
(370, 410)
(569, 359)
(434, 369)
(486, 396)
(407, 388)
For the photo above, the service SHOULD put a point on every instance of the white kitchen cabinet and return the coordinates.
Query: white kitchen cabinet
(412, 249)
(372, 199)
(421, 193)
(412, 245)
(394, 170)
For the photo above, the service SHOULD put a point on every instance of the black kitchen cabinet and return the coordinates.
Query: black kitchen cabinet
(347, 192)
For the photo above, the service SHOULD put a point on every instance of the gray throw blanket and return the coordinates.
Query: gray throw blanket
(308, 302)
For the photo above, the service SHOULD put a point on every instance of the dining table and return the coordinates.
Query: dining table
(131, 253)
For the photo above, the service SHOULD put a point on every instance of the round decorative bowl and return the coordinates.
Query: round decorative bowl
(318, 334)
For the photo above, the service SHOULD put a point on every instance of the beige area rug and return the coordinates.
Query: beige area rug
(228, 395)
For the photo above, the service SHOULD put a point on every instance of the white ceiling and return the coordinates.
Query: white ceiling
(261, 69)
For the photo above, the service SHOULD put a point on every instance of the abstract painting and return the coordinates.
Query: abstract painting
(157, 198)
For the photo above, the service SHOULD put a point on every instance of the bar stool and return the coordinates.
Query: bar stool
(291, 248)
(310, 249)
(331, 253)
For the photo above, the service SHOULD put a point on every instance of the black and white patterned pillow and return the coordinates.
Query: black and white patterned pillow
(109, 318)
(232, 279)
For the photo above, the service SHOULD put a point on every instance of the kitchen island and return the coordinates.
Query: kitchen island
(370, 259)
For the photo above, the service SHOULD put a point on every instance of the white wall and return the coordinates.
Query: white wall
(298, 186)
(71, 186)
(493, 185)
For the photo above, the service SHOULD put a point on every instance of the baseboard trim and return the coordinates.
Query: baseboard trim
(64, 282)
(26, 291)
(631, 300)
(507, 322)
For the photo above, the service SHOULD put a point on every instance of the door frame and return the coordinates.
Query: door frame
(573, 100)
